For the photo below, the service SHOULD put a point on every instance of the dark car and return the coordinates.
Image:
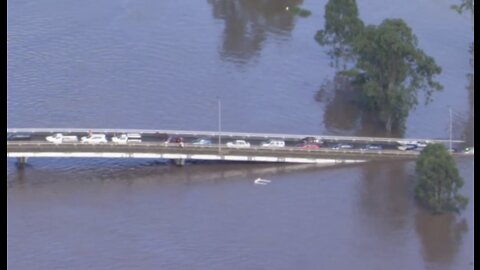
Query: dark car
(19, 137)
(202, 141)
(407, 147)
(453, 150)
(373, 147)
(411, 146)
(310, 140)
(342, 146)
(163, 137)
(176, 139)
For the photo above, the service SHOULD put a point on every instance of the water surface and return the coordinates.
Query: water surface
(163, 65)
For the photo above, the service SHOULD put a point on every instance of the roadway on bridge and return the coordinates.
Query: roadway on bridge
(168, 139)
(182, 144)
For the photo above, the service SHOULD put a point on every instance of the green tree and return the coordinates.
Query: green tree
(391, 69)
(464, 5)
(467, 5)
(438, 180)
(342, 25)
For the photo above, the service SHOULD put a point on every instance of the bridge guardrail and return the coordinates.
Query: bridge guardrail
(225, 133)
(161, 147)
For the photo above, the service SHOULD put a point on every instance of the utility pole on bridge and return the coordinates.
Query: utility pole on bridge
(450, 146)
(219, 125)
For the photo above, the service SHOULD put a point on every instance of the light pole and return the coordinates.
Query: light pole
(450, 110)
(219, 124)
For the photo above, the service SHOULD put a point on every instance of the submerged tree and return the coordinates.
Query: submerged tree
(439, 181)
(391, 69)
(342, 25)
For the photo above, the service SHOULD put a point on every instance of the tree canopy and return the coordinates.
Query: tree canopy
(464, 5)
(388, 67)
(342, 25)
(391, 69)
(438, 180)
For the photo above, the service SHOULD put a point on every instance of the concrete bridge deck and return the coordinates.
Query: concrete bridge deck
(153, 146)
(226, 135)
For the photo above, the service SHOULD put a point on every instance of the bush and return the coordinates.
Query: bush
(439, 181)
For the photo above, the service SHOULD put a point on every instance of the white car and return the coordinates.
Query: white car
(273, 143)
(94, 138)
(120, 139)
(418, 144)
(124, 138)
(238, 144)
(60, 138)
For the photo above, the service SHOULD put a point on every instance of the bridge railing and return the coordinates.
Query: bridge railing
(206, 149)
(227, 134)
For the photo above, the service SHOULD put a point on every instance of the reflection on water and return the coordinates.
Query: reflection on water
(111, 170)
(248, 24)
(440, 236)
(387, 209)
(384, 198)
(343, 115)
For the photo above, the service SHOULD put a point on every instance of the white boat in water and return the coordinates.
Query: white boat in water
(260, 181)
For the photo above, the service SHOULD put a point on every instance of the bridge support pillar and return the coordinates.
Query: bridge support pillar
(21, 161)
(179, 162)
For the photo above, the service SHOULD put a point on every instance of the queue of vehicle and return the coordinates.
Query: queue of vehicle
(205, 141)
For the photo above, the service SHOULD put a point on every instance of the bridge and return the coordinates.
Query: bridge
(177, 145)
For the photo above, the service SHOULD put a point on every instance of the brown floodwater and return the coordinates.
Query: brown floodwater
(163, 65)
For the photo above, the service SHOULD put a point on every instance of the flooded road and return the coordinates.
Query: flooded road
(163, 65)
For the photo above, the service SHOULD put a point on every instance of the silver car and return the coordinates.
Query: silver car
(94, 138)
